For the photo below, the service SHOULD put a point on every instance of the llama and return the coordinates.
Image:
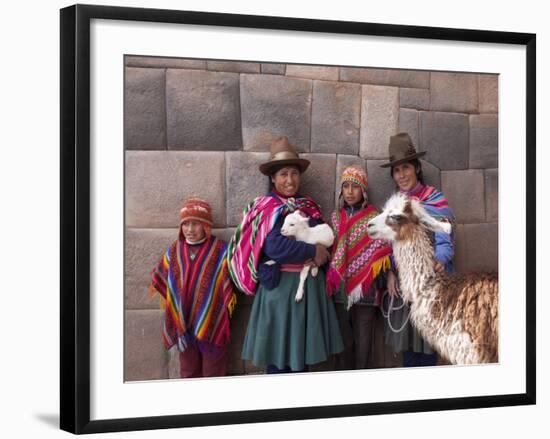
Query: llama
(297, 225)
(456, 314)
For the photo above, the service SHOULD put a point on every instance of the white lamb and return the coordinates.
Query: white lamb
(297, 225)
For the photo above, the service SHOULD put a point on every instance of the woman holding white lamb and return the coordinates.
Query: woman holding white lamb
(406, 171)
(283, 334)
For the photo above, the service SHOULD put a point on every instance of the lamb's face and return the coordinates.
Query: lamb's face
(294, 222)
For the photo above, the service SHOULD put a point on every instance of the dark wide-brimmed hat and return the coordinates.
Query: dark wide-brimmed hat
(283, 153)
(401, 150)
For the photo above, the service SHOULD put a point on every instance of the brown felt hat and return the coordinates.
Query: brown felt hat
(401, 150)
(283, 153)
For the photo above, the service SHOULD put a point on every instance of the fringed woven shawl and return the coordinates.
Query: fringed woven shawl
(197, 294)
(433, 201)
(259, 217)
(357, 259)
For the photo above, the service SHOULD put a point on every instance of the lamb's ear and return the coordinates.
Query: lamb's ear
(302, 214)
(429, 221)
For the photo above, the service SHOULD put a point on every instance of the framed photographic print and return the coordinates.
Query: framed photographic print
(171, 119)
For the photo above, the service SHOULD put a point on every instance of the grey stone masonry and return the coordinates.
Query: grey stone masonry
(379, 120)
(416, 98)
(381, 185)
(491, 194)
(342, 162)
(143, 250)
(274, 106)
(319, 180)
(484, 141)
(313, 72)
(244, 182)
(144, 353)
(335, 117)
(488, 93)
(432, 174)
(164, 63)
(445, 136)
(203, 110)
(273, 68)
(454, 92)
(465, 192)
(398, 78)
(144, 109)
(232, 66)
(477, 248)
(408, 123)
(157, 183)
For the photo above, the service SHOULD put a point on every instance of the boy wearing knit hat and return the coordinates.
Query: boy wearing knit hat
(196, 294)
(356, 265)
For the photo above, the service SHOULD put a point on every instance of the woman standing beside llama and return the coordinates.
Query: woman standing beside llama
(355, 269)
(282, 334)
(406, 171)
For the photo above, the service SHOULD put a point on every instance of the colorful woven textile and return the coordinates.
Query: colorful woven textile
(357, 259)
(197, 294)
(433, 201)
(259, 217)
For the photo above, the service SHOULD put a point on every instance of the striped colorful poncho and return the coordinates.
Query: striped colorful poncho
(357, 259)
(433, 201)
(197, 294)
(259, 217)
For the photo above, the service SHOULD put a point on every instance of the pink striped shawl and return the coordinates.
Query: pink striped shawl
(259, 217)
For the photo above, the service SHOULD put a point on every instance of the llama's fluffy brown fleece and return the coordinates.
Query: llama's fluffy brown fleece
(473, 299)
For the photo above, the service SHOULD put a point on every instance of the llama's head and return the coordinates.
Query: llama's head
(294, 222)
(401, 217)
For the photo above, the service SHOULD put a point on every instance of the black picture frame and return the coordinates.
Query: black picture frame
(75, 217)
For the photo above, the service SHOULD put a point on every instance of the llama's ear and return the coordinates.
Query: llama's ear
(429, 221)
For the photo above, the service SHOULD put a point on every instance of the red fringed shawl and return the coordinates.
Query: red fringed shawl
(357, 259)
(197, 294)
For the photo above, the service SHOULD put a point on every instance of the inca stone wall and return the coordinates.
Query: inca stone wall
(200, 127)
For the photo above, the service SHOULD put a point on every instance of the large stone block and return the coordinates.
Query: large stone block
(484, 141)
(481, 247)
(445, 136)
(381, 185)
(244, 182)
(465, 191)
(408, 123)
(342, 162)
(491, 194)
(398, 78)
(319, 180)
(224, 234)
(335, 117)
(461, 256)
(164, 63)
(416, 98)
(233, 66)
(455, 92)
(143, 250)
(144, 354)
(239, 323)
(379, 120)
(313, 72)
(203, 110)
(274, 106)
(432, 174)
(157, 183)
(488, 93)
(273, 68)
(144, 109)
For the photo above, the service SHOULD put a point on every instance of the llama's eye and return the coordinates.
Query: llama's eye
(396, 217)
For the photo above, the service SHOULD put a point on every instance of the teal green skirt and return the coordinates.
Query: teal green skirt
(284, 333)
